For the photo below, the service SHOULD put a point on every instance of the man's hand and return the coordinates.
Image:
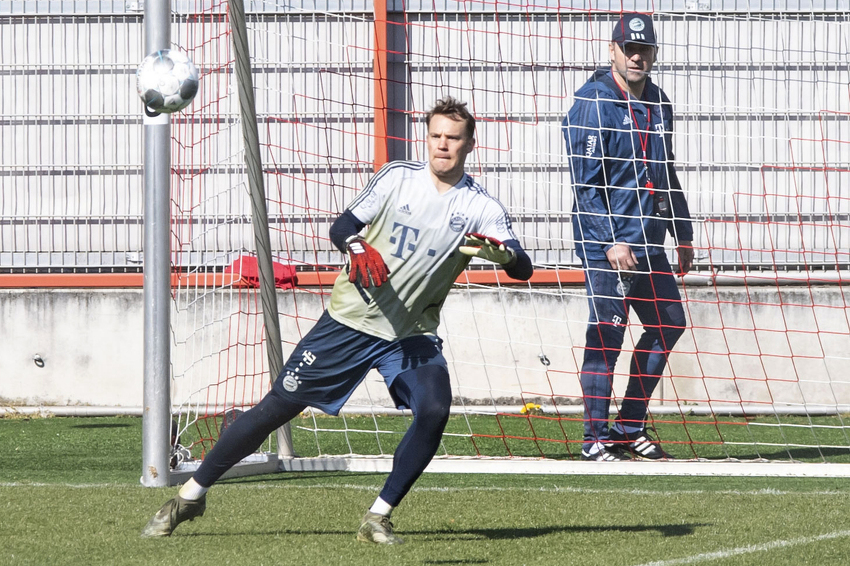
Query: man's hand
(491, 249)
(621, 257)
(365, 262)
(686, 257)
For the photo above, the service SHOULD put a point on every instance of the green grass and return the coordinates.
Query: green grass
(70, 494)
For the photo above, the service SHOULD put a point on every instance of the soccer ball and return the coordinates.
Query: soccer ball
(167, 81)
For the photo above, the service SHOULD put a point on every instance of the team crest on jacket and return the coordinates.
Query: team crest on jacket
(457, 222)
(623, 286)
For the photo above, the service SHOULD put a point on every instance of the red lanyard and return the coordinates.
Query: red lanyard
(643, 137)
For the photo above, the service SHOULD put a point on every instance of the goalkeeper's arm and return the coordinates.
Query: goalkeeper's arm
(345, 226)
(509, 254)
(365, 264)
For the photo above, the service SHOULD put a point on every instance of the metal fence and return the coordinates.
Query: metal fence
(762, 131)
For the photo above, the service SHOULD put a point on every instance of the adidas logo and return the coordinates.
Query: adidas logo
(626, 120)
(404, 209)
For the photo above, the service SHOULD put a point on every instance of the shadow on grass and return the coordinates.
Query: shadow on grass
(458, 561)
(672, 530)
(102, 425)
(797, 454)
(283, 476)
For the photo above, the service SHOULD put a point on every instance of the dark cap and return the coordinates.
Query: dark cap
(634, 28)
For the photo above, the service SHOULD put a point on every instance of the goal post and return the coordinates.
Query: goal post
(259, 214)
(157, 272)
(756, 386)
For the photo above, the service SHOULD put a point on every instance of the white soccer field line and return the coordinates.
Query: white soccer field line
(716, 555)
(553, 489)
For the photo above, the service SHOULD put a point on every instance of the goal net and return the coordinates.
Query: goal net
(757, 385)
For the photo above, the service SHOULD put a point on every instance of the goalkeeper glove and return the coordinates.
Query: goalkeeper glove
(365, 262)
(479, 245)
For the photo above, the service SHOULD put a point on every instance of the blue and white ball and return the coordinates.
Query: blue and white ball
(167, 81)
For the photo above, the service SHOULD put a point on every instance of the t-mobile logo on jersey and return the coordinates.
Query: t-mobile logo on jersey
(617, 320)
(406, 239)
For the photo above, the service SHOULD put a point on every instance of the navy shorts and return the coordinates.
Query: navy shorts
(329, 363)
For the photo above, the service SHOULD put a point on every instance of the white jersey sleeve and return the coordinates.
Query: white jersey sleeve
(371, 199)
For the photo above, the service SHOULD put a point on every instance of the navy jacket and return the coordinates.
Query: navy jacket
(611, 201)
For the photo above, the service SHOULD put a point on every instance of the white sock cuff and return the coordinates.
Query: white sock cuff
(381, 507)
(192, 490)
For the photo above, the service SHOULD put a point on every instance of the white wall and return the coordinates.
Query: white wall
(742, 347)
(90, 341)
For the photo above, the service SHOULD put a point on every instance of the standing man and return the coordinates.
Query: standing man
(426, 219)
(626, 198)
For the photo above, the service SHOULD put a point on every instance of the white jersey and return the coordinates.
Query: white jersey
(417, 231)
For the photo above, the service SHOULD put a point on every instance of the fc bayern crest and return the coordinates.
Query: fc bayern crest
(457, 222)
(290, 383)
(636, 24)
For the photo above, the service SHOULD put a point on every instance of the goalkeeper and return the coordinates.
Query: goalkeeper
(426, 220)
